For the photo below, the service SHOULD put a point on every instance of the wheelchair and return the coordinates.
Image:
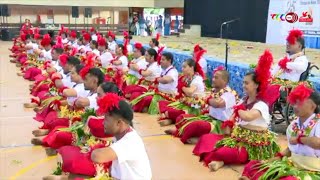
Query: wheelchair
(280, 110)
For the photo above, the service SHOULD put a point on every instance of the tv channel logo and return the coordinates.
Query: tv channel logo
(290, 17)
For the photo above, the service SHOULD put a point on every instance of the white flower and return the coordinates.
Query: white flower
(197, 106)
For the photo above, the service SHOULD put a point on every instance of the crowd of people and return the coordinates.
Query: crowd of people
(85, 92)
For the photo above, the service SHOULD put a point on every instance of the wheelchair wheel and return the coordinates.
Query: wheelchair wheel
(289, 113)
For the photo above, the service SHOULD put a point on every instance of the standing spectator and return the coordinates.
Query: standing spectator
(176, 24)
(159, 25)
(167, 25)
(142, 24)
(136, 21)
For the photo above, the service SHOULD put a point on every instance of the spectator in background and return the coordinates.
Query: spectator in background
(159, 25)
(142, 25)
(167, 25)
(136, 22)
(176, 24)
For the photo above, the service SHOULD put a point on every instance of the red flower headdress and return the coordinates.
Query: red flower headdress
(84, 71)
(294, 35)
(63, 58)
(138, 45)
(101, 41)
(86, 36)
(63, 30)
(108, 102)
(111, 34)
(158, 36)
(219, 68)
(263, 72)
(59, 43)
(73, 34)
(92, 29)
(300, 93)
(83, 32)
(197, 57)
(74, 51)
(160, 50)
(36, 36)
(125, 34)
(46, 40)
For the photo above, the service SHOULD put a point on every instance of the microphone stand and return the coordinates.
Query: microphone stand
(227, 38)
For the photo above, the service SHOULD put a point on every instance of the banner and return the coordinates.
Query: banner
(285, 15)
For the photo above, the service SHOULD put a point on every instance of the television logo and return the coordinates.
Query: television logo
(290, 17)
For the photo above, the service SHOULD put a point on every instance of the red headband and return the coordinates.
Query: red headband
(138, 45)
(300, 93)
(219, 68)
(294, 35)
(108, 102)
(63, 59)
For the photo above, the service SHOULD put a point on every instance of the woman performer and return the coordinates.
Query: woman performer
(191, 92)
(250, 139)
(301, 160)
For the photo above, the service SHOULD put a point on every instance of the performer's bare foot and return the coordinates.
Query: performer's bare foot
(37, 109)
(215, 165)
(20, 74)
(51, 152)
(243, 178)
(30, 105)
(55, 177)
(170, 131)
(40, 132)
(31, 85)
(18, 65)
(193, 140)
(162, 115)
(13, 61)
(165, 122)
(36, 141)
(145, 110)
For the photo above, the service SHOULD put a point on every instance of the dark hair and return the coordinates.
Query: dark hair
(254, 78)
(28, 36)
(59, 50)
(80, 38)
(79, 67)
(190, 62)
(302, 42)
(95, 43)
(51, 33)
(153, 52)
(155, 41)
(111, 87)
(97, 73)
(125, 111)
(66, 34)
(52, 43)
(315, 97)
(169, 56)
(143, 51)
(121, 46)
(73, 61)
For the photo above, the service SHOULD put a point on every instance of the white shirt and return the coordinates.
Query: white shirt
(96, 52)
(34, 46)
(155, 68)
(203, 64)
(94, 37)
(124, 62)
(132, 161)
(170, 88)
(75, 44)
(300, 148)
(87, 48)
(142, 64)
(297, 67)
(224, 113)
(156, 48)
(112, 46)
(56, 65)
(81, 92)
(264, 120)
(198, 82)
(106, 58)
(93, 100)
(130, 48)
(66, 80)
(65, 41)
(46, 55)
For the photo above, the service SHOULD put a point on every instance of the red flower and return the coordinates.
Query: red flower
(108, 103)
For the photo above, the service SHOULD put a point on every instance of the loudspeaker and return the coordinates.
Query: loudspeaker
(75, 12)
(87, 12)
(5, 35)
(4, 10)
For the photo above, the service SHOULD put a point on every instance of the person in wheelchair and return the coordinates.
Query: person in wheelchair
(295, 63)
